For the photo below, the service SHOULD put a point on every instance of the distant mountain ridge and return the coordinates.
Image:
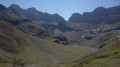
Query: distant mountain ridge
(48, 21)
(99, 15)
(35, 15)
(52, 22)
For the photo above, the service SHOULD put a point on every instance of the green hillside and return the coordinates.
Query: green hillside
(107, 58)
(12, 42)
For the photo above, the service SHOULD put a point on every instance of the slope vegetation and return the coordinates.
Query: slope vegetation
(107, 58)
(12, 42)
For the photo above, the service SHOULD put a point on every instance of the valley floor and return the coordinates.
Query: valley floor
(46, 53)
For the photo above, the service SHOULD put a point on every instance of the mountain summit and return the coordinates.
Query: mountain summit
(35, 15)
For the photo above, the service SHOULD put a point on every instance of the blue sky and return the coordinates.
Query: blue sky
(65, 8)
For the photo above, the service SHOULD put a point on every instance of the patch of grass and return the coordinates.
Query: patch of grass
(11, 40)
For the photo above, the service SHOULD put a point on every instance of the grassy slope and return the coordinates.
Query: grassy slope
(12, 42)
(47, 53)
(106, 58)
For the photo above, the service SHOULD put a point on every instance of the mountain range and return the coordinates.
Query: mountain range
(31, 38)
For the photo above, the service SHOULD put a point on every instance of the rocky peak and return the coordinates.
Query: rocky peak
(16, 9)
(15, 6)
(2, 7)
(31, 9)
(75, 17)
(76, 14)
(100, 11)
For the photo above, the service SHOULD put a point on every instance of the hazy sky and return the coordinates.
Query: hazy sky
(65, 8)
